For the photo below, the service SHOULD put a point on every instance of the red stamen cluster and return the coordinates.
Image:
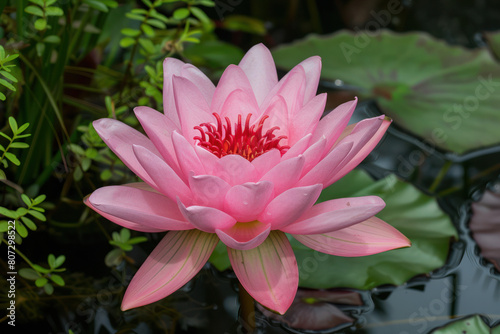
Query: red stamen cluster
(247, 141)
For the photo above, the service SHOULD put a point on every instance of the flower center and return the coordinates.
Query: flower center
(245, 140)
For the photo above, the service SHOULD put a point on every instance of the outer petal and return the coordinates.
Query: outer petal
(134, 207)
(307, 118)
(312, 68)
(171, 67)
(205, 218)
(120, 137)
(298, 148)
(186, 155)
(258, 65)
(290, 205)
(244, 236)
(268, 272)
(165, 178)
(204, 84)
(175, 261)
(366, 238)
(159, 129)
(285, 174)
(362, 152)
(245, 201)
(336, 214)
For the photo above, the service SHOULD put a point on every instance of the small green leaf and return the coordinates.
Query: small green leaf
(40, 48)
(147, 45)
(86, 163)
(12, 158)
(34, 10)
(29, 273)
(130, 32)
(113, 258)
(126, 42)
(135, 17)
(40, 24)
(51, 259)
(21, 211)
(52, 39)
(26, 199)
(148, 30)
(5, 136)
(13, 124)
(200, 15)
(41, 282)
(37, 215)
(23, 127)
(8, 76)
(23, 232)
(29, 223)
(4, 226)
(19, 145)
(124, 234)
(57, 279)
(158, 16)
(49, 289)
(41, 269)
(2, 175)
(181, 13)
(7, 213)
(54, 11)
(59, 261)
(2, 96)
(106, 175)
(39, 199)
(156, 23)
(91, 153)
(137, 240)
(78, 174)
(96, 4)
(7, 84)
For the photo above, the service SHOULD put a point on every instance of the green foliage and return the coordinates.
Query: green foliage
(24, 223)
(122, 243)
(46, 277)
(5, 71)
(43, 9)
(14, 142)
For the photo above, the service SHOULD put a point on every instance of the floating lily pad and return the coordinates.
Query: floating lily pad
(448, 95)
(413, 213)
(469, 325)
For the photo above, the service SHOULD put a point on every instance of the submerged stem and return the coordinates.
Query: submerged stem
(247, 310)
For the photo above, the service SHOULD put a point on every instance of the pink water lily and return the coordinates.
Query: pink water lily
(242, 163)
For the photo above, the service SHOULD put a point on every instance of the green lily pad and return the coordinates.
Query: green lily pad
(446, 94)
(469, 325)
(413, 213)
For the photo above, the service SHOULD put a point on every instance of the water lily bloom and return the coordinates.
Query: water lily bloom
(243, 163)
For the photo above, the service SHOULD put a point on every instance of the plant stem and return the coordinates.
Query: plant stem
(247, 310)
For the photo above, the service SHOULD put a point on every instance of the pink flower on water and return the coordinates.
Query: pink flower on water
(243, 163)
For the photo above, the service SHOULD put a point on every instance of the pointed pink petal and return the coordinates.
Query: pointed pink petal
(332, 125)
(164, 177)
(202, 82)
(137, 207)
(369, 237)
(171, 67)
(277, 116)
(293, 89)
(186, 156)
(233, 78)
(234, 169)
(244, 236)
(313, 155)
(290, 206)
(208, 190)
(246, 201)
(362, 152)
(191, 106)
(205, 218)
(285, 174)
(258, 65)
(306, 120)
(336, 214)
(269, 272)
(159, 129)
(322, 171)
(177, 259)
(298, 148)
(312, 68)
(120, 137)
(265, 162)
(239, 103)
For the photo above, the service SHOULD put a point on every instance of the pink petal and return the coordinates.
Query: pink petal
(265, 162)
(331, 125)
(203, 83)
(164, 177)
(322, 171)
(314, 154)
(171, 67)
(289, 206)
(362, 152)
(191, 106)
(232, 79)
(293, 89)
(175, 261)
(120, 137)
(285, 174)
(186, 155)
(306, 120)
(205, 218)
(298, 148)
(209, 160)
(244, 236)
(312, 69)
(258, 65)
(159, 129)
(336, 214)
(208, 190)
(277, 116)
(246, 201)
(137, 207)
(239, 103)
(268, 272)
(369, 237)
(234, 169)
